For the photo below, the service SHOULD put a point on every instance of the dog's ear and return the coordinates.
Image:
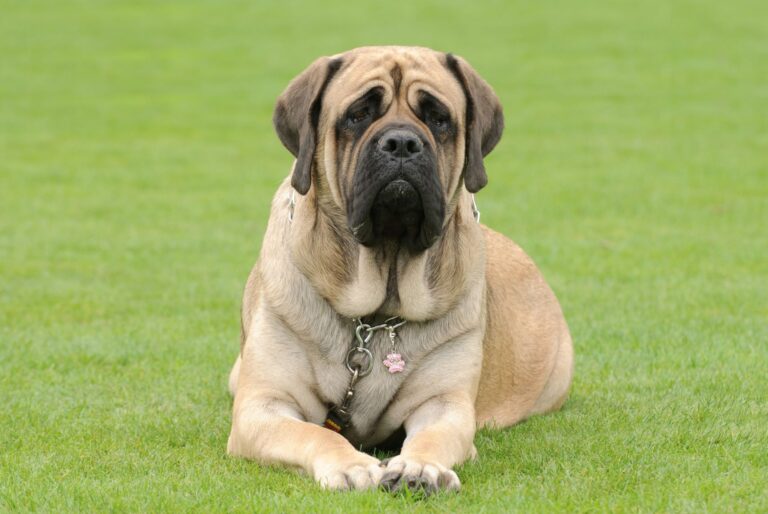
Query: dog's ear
(296, 116)
(484, 120)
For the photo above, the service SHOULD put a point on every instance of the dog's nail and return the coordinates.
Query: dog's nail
(389, 480)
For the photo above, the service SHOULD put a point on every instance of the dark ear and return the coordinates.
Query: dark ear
(485, 121)
(296, 116)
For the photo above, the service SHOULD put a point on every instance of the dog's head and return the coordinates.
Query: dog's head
(390, 134)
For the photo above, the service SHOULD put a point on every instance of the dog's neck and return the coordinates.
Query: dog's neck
(387, 280)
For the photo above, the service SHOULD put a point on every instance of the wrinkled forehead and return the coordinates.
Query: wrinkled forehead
(402, 72)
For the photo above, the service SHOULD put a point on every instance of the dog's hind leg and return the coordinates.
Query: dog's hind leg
(556, 391)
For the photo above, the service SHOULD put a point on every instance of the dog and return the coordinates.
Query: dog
(380, 306)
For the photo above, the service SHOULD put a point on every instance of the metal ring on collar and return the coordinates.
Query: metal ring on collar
(361, 371)
(368, 336)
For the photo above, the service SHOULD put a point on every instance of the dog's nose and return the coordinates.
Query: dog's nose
(400, 143)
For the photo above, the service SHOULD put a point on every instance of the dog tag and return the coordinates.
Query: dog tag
(394, 363)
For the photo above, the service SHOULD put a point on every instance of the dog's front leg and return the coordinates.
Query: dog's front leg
(268, 427)
(439, 435)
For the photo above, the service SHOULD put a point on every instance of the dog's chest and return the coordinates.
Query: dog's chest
(391, 363)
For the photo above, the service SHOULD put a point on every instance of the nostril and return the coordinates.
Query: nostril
(400, 144)
(412, 147)
(390, 145)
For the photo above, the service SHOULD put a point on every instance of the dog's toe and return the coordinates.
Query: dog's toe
(410, 474)
(415, 484)
(363, 473)
(361, 478)
(389, 480)
(334, 481)
(449, 481)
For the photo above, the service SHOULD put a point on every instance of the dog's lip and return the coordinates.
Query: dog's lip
(364, 230)
(428, 209)
(398, 180)
(400, 190)
(400, 186)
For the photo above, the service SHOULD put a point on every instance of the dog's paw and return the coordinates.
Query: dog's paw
(401, 473)
(362, 472)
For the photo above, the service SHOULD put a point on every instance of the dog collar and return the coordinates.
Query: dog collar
(475, 210)
(359, 362)
(291, 205)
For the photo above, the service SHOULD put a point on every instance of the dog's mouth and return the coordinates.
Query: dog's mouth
(397, 194)
(397, 213)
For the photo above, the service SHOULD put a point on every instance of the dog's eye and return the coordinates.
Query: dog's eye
(437, 118)
(359, 115)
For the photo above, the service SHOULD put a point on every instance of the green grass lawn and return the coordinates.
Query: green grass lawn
(137, 160)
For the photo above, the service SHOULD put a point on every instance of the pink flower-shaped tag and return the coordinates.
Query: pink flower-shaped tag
(394, 363)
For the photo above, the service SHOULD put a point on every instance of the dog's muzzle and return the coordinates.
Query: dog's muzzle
(396, 191)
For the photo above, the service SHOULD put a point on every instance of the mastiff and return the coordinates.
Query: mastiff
(380, 310)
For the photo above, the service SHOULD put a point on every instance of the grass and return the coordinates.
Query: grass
(137, 161)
